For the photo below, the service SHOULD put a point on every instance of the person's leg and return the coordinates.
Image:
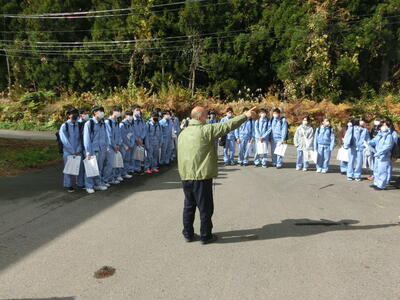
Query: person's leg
(320, 157)
(327, 158)
(358, 165)
(279, 159)
(241, 152)
(81, 175)
(154, 157)
(256, 158)
(299, 160)
(350, 164)
(382, 173)
(102, 162)
(169, 152)
(274, 156)
(245, 151)
(189, 208)
(67, 178)
(148, 158)
(204, 199)
(343, 167)
(231, 156)
(390, 172)
(265, 156)
(226, 152)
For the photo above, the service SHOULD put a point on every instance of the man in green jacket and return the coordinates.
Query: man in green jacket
(197, 163)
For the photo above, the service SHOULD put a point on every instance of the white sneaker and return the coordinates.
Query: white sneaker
(107, 184)
(119, 178)
(318, 171)
(90, 191)
(100, 188)
(127, 176)
(324, 172)
(298, 169)
(349, 179)
(305, 169)
(115, 182)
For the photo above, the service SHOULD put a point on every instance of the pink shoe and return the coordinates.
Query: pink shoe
(147, 172)
(155, 171)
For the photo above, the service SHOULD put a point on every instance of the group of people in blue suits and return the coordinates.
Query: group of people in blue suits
(315, 144)
(264, 130)
(120, 134)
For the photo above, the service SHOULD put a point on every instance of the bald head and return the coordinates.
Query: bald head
(200, 114)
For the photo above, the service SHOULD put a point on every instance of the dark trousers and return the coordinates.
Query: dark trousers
(198, 193)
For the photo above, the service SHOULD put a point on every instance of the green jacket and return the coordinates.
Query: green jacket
(197, 159)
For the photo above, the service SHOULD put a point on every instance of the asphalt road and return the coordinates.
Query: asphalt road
(283, 234)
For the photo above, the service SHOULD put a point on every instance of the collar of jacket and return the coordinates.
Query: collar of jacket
(195, 123)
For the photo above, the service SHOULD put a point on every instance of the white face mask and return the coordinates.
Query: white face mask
(229, 115)
(167, 117)
(263, 116)
(117, 114)
(130, 118)
(305, 123)
(85, 118)
(376, 123)
(137, 113)
(276, 116)
(100, 115)
(349, 124)
(362, 123)
(327, 124)
(384, 128)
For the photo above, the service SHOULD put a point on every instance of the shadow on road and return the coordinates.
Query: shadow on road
(292, 228)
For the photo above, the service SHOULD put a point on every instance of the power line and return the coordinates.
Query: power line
(87, 13)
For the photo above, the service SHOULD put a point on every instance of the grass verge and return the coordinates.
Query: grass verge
(19, 156)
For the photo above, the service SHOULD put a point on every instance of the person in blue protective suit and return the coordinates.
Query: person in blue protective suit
(95, 141)
(71, 139)
(383, 144)
(230, 143)
(395, 141)
(212, 119)
(176, 128)
(166, 145)
(374, 131)
(113, 175)
(324, 143)
(154, 138)
(303, 140)
(83, 116)
(355, 141)
(343, 164)
(261, 135)
(244, 137)
(140, 134)
(278, 133)
(128, 143)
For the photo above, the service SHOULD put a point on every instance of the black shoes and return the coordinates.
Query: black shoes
(210, 240)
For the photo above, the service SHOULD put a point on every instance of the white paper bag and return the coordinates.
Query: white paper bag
(118, 160)
(73, 165)
(91, 167)
(138, 154)
(343, 155)
(280, 149)
(262, 148)
(310, 156)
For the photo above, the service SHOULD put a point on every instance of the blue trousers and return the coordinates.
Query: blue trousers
(277, 160)
(69, 179)
(90, 182)
(390, 172)
(243, 151)
(110, 173)
(166, 151)
(300, 163)
(343, 166)
(151, 161)
(324, 156)
(229, 151)
(354, 166)
(381, 172)
(128, 161)
(261, 157)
